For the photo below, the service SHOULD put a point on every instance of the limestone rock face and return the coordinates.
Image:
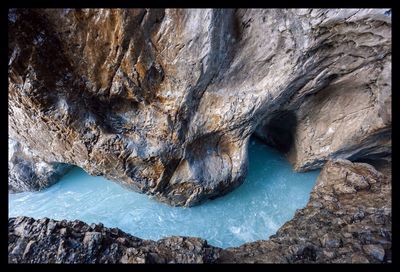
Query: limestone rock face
(347, 220)
(164, 101)
(28, 172)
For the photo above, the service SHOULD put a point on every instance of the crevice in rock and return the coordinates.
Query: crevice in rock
(278, 130)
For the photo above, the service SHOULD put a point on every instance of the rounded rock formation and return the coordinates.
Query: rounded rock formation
(164, 101)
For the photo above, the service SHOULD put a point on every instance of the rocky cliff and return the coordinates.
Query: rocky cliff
(347, 220)
(164, 101)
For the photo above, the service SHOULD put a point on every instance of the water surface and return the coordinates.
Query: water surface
(267, 199)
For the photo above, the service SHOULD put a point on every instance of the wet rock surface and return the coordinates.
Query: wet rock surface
(347, 220)
(28, 172)
(164, 101)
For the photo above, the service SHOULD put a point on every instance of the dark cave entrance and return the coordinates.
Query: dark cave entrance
(278, 130)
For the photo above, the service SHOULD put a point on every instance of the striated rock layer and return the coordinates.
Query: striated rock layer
(347, 220)
(164, 101)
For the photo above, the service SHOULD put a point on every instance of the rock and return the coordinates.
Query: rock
(78, 246)
(314, 235)
(358, 258)
(329, 240)
(329, 254)
(28, 172)
(335, 115)
(92, 240)
(132, 255)
(63, 232)
(164, 101)
(375, 251)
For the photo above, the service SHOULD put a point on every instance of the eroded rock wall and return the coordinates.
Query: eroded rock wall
(343, 109)
(164, 101)
(28, 172)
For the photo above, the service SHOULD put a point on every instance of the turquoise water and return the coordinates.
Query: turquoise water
(267, 199)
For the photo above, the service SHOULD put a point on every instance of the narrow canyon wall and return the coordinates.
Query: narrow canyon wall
(164, 101)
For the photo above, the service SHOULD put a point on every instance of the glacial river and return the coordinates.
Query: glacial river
(267, 199)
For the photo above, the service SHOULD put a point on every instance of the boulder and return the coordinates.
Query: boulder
(29, 172)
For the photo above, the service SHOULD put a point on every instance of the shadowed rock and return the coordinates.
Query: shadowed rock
(28, 172)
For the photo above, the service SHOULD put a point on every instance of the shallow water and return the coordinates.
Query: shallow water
(267, 199)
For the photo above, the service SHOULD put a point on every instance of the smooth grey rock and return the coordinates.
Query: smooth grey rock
(28, 172)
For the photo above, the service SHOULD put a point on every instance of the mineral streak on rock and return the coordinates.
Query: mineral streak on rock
(347, 220)
(164, 101)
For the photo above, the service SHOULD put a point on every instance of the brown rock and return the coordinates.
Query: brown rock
(99, 246)
(375, 251)
(359, 258)
(164, 101)
(329, 240)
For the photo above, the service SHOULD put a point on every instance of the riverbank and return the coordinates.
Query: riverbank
(347, 220)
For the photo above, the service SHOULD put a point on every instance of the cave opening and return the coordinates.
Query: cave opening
(383, 164)
(278, 130)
